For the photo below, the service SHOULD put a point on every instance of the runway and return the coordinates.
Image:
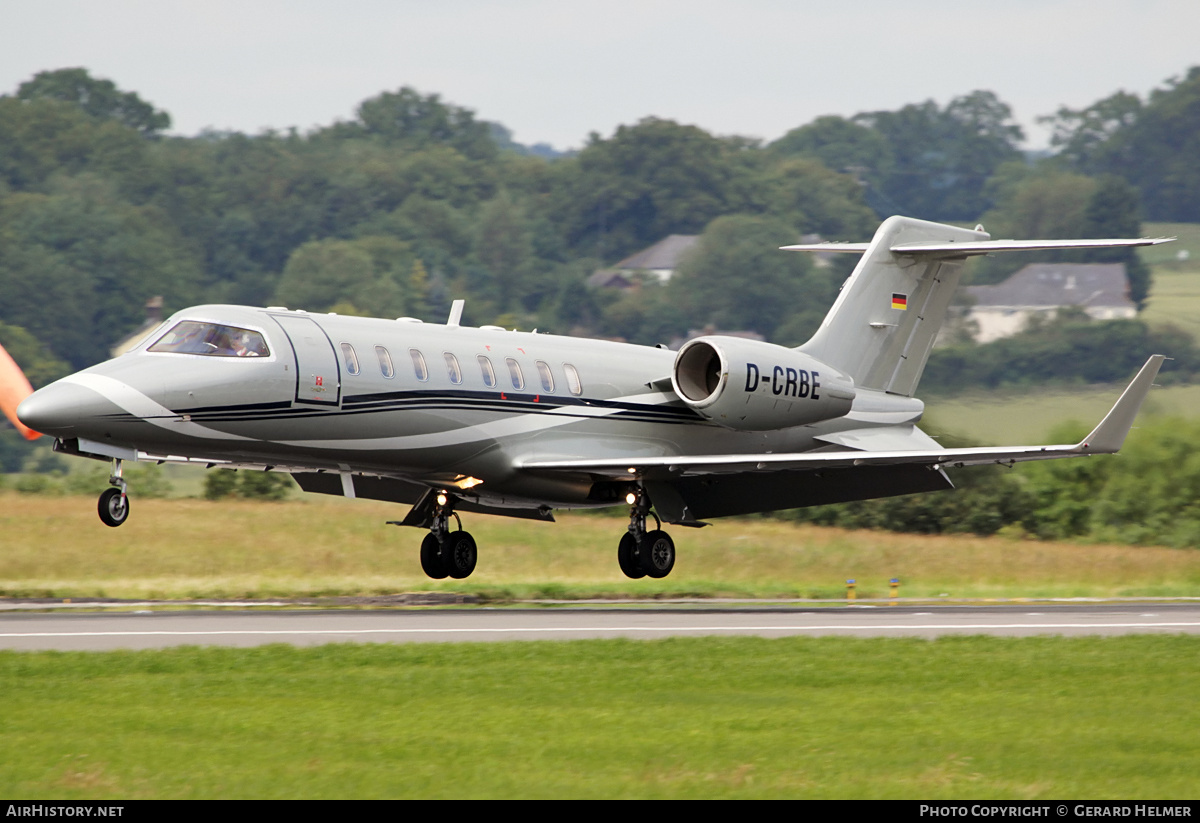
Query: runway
(150, 629)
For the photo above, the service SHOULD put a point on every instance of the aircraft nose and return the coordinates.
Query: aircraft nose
(55, 409)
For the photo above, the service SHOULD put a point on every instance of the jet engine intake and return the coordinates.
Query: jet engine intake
(754, 386)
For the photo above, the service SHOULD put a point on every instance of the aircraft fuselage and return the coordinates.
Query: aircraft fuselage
(428, 402)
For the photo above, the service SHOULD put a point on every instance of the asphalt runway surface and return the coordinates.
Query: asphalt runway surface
(150, 629)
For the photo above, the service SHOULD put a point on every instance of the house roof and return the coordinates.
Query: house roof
(608, 279)
(665, 254)
(1058, 284)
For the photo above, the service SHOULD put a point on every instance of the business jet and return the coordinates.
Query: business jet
(452, 420)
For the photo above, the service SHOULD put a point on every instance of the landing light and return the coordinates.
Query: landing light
(442, 498)
(631, 498)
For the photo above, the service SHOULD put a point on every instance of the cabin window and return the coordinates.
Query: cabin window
(514, 371)
(350, 357)
(192, 337)
(452, 368)
(572, 379)
(419, 367)
(489, 374)
(546, 375)
(385, 362)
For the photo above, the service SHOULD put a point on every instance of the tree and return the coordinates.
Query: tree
(369, 274)
(79, 264)
(1112, 211)
(503, 247)
(841, 144)
(812, 198)
(943, 157)
(100, 99)
(1082, 136)
(647, 181)
(737, 279)
(1153, 145)
(405, 117)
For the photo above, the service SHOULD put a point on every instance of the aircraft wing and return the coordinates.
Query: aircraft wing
(1106, 438)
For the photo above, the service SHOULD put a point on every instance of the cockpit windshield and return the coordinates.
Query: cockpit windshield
(193, 337)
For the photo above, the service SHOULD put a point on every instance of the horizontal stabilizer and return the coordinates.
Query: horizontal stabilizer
(1106, 438)
(978, 247)
(858, 248)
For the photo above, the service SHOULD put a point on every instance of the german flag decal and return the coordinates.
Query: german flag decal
(900, 301)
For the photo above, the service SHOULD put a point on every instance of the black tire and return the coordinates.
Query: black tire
(431, 558)
(627, 557)
(459, 555)
(113, 507)
(657, 554)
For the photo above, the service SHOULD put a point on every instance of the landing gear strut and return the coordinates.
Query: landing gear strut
(114, 502)
(644, 553)
(446, 553)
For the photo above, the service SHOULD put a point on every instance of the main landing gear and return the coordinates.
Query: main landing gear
(644, 553)
(446, 553)
(113, 505)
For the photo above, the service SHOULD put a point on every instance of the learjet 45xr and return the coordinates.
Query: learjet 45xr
(449, 419)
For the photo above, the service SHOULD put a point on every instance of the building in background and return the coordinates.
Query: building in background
(1040, 290)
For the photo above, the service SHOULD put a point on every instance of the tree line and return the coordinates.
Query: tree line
(414, 201)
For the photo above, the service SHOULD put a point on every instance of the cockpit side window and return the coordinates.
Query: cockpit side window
(213, 339)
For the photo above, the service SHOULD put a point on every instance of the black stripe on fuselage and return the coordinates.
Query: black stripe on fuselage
(502, 403)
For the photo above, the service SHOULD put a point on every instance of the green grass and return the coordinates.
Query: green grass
(1015, 417)
(1175, 299)
(57, 547)
(683, 718)
(1187, 239)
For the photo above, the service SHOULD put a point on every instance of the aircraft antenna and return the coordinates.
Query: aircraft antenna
(456, 309)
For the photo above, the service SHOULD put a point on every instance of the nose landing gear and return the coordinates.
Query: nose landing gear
(113, 505)
(644, 553)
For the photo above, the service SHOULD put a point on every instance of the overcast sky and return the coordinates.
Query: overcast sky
(555, 70)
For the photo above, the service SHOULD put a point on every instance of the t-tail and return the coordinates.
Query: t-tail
(883, 324)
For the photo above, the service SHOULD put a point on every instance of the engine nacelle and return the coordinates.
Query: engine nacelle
(754, 386)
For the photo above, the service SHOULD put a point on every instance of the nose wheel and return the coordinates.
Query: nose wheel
(644, 553)
(113, 505)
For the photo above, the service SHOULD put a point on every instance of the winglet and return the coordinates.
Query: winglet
(1108, 437)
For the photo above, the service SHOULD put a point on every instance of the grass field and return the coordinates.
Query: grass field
(1020, 417)
(1175, 300)
(1187, 239)
(56, 547)
(968, 717)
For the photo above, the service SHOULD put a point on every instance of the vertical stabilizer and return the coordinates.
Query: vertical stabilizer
(883, 324)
